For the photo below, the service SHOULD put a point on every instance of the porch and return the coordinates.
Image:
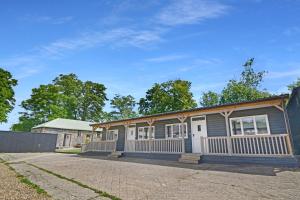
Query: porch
(264, 145)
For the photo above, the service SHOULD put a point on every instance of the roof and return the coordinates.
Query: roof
(69, 124)
(294, 92)
(261, 100)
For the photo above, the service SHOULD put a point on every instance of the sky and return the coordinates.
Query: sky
(128, 45)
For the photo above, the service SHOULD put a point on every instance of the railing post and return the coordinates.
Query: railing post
(289, 145)
(229, 144)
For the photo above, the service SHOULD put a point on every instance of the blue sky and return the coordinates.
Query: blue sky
(130, 44)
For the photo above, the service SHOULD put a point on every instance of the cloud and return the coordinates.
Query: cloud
(295, 30)
(166, 58)
(182, 12)
(47, 19)
(290, 73)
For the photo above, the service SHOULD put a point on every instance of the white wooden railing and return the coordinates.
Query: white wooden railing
(101, 146)
(264, 145)
(154, 146)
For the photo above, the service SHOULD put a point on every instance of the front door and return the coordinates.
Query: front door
(131, 133)
(199, 131)
(67, 140)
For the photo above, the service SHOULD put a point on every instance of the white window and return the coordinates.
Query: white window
(145, 133)
(176, 130)
(250, 125)
(112, 135)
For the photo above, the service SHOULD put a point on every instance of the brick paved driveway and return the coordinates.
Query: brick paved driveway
(129, 180)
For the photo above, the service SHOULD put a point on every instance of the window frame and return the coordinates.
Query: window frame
(254, 123)
(172, 132)
(149, 128)
(113, 138)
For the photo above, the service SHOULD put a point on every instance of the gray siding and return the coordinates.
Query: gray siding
(216, 125)
(293, 110)
(275, 116)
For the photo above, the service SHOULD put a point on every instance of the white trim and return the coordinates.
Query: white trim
(112, 130)
(149, 128)
(179, 124)
(254, 123)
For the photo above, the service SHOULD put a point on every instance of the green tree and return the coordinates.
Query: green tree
(209, 98)
(294, 84)
(123, 107)
(168, 96)
(66, 97)
(246, 88)
(7, 100)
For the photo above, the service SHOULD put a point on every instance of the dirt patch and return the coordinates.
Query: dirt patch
(11, 187)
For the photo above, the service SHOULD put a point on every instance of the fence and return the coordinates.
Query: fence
(20, 142)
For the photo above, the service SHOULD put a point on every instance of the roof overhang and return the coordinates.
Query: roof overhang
(277, 101)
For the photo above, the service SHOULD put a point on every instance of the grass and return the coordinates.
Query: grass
(69, 151)
(25, 180)
(101, 193)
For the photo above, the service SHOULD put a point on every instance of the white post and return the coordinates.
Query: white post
(229, 144)
(182, 119)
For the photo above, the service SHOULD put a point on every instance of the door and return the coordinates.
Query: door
(67, 140)
(199, 130)
(131, 133)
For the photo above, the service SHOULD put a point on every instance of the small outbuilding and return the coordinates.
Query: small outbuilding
(70, 133)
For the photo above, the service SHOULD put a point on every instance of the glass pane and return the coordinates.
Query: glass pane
(141, 133)
(169, 132)
(175, 131)
(199, 128)
(261, 124)
(236, 127)
(146, 130)
(248, 125)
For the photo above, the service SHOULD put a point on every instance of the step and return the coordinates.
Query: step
(116, 154)
(190, 158)
(188, 161)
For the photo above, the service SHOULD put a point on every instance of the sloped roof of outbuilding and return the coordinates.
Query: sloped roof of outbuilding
(69, 124)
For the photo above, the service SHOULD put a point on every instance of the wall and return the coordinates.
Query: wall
(216, 125)
(20, 142)
(293, 110)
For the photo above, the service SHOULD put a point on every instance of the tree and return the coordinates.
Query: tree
(294, 85)
(209, 98)
(124, 107)
(66, 97)
(168, 96)
(246, 88)
(7, 100)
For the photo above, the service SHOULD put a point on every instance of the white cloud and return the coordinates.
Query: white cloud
(290, 73)
(182, 12)
(166, 58)
(47, 19)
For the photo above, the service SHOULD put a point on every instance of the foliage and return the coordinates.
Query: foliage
(66, 97)
(209, 98)
(7, 100)
(244, 89)
(168, 96)
(294, 85)
(123, 107)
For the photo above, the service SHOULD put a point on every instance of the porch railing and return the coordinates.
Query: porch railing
(154, 146)
(100, 146)
(264, 145)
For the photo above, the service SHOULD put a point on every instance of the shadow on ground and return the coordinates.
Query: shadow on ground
(233, 168)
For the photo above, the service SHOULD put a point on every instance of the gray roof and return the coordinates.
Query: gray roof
(69, 124)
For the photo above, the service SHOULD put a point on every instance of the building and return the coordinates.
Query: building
(246, 132)
(70, 133)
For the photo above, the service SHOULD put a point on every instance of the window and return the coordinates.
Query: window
(176, 130)
(145, 133)
(112, 135)
(79, 134)
(250, 125)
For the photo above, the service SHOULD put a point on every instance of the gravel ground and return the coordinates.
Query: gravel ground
(130, 180)
(12, 189)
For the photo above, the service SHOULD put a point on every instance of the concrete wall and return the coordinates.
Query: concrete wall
(20, 142)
